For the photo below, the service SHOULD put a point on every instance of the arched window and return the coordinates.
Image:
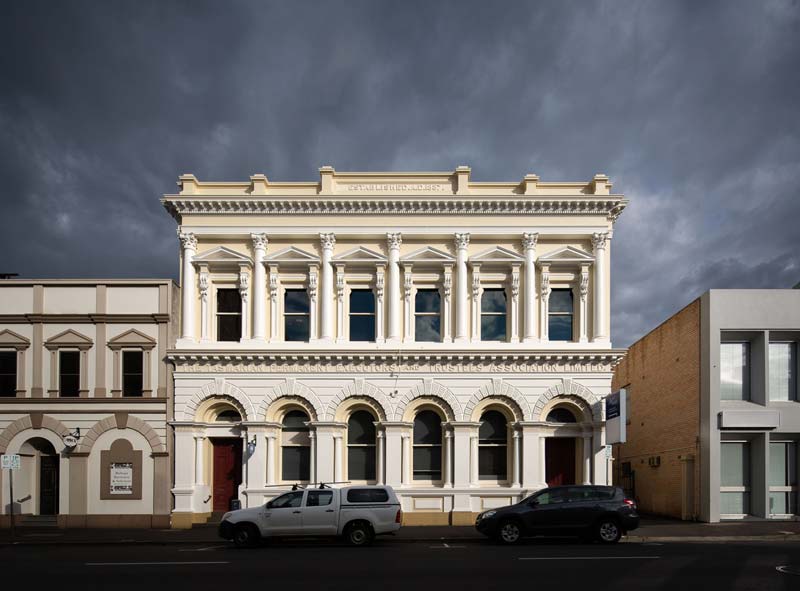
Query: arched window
(427, 446)
(492, 446)
(561, 415)
(361, 446)
(228, 416)
(295, 447)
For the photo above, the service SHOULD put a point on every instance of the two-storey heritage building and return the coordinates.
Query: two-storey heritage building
(444, 336)
(84, 401)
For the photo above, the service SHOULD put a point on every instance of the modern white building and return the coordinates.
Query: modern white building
(84, 401)
(444, 336)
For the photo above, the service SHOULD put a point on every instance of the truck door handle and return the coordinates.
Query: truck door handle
(296, 511)
(328, 510)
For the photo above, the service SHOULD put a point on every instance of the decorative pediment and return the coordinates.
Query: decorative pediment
(428, 254)
(68, 338)
(360, 255)
(132, 338)
(9, 338)
(568, 254)
(222, 255)
(292, 255)
(498, 254)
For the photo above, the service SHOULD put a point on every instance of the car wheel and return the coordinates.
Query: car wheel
(245, 536)
(509, 532)
(358, 534)
(608, 531)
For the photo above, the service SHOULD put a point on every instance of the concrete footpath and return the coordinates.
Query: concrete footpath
(650, 530)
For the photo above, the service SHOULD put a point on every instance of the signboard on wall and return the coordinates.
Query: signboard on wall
(616, 417)
(121, 481)
(10, 461)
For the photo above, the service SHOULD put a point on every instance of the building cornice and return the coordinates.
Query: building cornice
(84, 318)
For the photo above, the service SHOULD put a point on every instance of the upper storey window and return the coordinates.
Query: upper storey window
(560, 315)
(362, 315)
(734, 374)
(428, 316)
(229, 315)
(296, 315)
(8, 373)
(69, 374)
(132, 373)
(782, 371)
(493, 315)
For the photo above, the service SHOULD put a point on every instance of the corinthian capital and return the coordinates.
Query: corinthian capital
(599, 240)
(260, 241)
(394, 240)
(327, 240)
(461, 240)
(188, 240)
(529, 240)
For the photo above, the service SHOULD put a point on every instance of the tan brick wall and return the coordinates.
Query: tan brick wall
(662, 372)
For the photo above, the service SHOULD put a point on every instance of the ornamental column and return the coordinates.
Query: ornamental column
(587, 459)
(259, 286)
(517, 459)
(599, 241)
(529, 240)
(584, 292)
(244, 285)
(271, 459)
(204, 315)
(326, 279)
(199, 477)
(448, 457)
(461, 244)
(189, 243)
(312, 469)
(381, 475)
(393, 242)
(338, 468)
(544, 303)
(474, 477)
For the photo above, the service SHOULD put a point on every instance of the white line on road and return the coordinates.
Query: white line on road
(200, 549)
(151, 563)
(445, 547)
(590, 558)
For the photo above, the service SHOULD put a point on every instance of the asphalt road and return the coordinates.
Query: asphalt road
(418, 566)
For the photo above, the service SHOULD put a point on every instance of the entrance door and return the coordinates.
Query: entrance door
(227, 472)
(559, 460)
(48, 485)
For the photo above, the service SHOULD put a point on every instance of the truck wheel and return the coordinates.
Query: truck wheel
(608, 531)
(509, 532)
(358, 534)
(245, 536)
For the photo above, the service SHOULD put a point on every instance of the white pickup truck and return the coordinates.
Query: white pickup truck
(357, 513)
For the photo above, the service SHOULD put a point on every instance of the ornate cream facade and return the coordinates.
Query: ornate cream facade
(460, 290)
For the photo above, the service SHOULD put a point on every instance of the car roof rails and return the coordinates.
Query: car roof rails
(328, 484)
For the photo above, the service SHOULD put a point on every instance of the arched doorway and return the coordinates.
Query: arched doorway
(43, 461)
(561, 450)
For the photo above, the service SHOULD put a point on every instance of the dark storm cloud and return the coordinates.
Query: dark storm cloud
(690, 107)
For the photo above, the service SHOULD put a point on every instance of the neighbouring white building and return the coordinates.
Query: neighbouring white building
(84, 401)
(444, 336)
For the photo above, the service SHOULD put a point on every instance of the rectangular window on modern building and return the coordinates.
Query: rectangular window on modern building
(560, 315)
(362, 315)
(296, 315)
(428, 316)
(783, 478)
(493, 315)
(132, 372)
(69, 374)
(8, 373)
(783, 371)
(229, 315)
(734, 478)
(734, 373)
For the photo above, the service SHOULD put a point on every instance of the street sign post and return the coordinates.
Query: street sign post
(10, 462)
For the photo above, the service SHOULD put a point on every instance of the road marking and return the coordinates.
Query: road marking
(788, 570)
(200, 549)
(445, 547)
(151, 563)
(590, 558)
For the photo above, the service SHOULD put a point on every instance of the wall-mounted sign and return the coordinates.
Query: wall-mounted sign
(10, 461)
(70, 441)
(121, 481)
(616, 417)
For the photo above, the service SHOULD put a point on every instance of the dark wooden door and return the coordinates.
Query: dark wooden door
(48, 485)
(559, 460)
(227, 471)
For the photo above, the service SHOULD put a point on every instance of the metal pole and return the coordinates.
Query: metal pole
(11, 499)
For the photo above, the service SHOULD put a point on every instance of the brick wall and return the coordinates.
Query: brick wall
(662, 373)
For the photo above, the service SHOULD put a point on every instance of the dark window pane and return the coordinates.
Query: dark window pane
(492, 463)
(428, 428)
(493, 300)
(361, 428)
(8, 362)
(361, 463)
(560, 328)
(427, 300)
(295, 301)
(362, 301)
(286, 501)
(296, 463)
(226, 416)
(362, 328)
(319, 498)
(367, 495)
(493, 427)
(8, 373)
(428, 463)
(132, 369)
(296, 328)
(295, 421)
(561, 300)
(229, 328)
(70, 362)
(561, 415)
(69, 374)
(427, 329)
(493, 328)
(228, 300)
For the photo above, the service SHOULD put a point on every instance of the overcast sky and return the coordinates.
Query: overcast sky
(692, 108)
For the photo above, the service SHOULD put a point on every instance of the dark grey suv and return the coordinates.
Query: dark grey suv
(591, 512)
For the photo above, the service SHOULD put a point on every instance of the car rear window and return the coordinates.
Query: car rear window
(367, 495)
(604, 494)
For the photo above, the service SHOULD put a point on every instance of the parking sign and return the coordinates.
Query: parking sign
(10, 461)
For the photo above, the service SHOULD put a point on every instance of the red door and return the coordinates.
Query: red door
(559, 460)
(227, 471)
